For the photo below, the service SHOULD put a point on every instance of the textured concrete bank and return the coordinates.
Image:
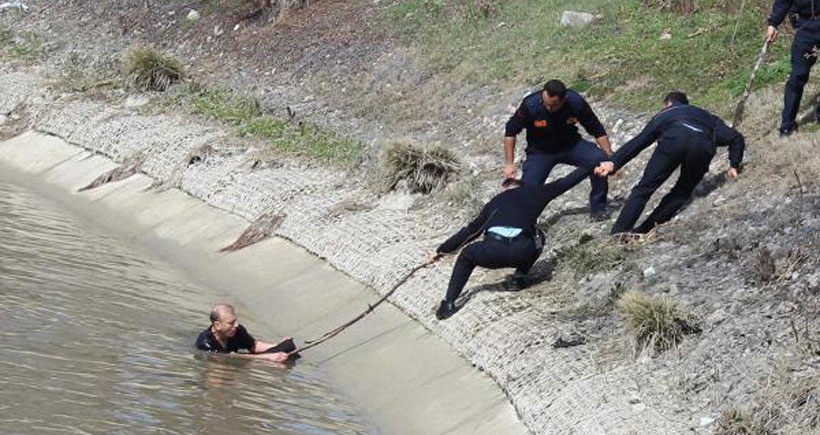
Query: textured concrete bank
(404, 378)
(375, 241)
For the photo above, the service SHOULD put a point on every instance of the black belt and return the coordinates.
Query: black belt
(495, 236)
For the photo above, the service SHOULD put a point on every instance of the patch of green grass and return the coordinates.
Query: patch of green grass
(632, 56)
(25, 46)
(305, 140)
(245, 115)
(217, 103)
(588, 258)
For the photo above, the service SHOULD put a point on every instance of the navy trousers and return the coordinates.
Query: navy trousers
(805, 41)
(491, 254)
(537, 168)
(693, 158)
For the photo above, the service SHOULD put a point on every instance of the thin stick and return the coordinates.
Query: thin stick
(369, 310)
(330, 334)
(741, 105)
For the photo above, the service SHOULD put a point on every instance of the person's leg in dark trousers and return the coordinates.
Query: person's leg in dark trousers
(586, 154)
(661, 165)
(537, 168)
(490, 254)
(691, 172)
(484, 253)
(804, 43)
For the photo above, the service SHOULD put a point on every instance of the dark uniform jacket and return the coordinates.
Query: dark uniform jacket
(553, 132)
(684, 125)
(240, 340)
(515, 208)
(802, 8)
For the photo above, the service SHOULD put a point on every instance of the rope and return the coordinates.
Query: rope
(330, 334)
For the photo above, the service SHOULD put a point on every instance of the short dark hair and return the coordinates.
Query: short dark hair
(509, 182)
(676, 97)
(556, 88)
(214, 316)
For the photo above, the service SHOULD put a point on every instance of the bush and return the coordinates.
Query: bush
(150, 70)
(424, 170)
(655, 321)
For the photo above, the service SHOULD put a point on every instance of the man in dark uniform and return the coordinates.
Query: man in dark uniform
(805, 18)
(226, 335)
(687, 137)
(511, 238)
(550, 117)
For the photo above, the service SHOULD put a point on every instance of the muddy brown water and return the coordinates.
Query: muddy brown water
(96, 337)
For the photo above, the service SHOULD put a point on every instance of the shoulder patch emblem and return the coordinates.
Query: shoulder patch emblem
(572, 120)
(541, 123)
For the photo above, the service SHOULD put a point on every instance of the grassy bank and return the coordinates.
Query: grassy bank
(245, 115)
(636, 51)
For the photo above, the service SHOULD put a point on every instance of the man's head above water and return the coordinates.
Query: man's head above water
(223, 320)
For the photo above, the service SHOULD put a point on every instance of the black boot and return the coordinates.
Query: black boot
(518, 281)
(445, 310)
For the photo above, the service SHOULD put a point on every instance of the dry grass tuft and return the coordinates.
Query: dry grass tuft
(150, 70)
(734, 421)
(424, 170)
(794, 407)
(655, 322)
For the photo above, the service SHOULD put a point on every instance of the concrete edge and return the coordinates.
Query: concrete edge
(402, 377)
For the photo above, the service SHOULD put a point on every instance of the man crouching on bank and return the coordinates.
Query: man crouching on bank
(226, 335)
(511, 238)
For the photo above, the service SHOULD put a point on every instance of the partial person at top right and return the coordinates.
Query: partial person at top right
(805, 18)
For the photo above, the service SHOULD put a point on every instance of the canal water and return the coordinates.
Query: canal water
(97, 337)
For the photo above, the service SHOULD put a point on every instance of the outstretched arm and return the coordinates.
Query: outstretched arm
(468, 233)
(550, 191)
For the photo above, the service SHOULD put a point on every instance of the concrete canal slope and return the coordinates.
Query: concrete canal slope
(404, 378)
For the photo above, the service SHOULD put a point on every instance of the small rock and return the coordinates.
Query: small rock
(136, 101)
(193, 15)
(667, 34)
(649, 271)
(576, 19)
(218, 31)
(706, 421)
(2, 119)
(236, 27)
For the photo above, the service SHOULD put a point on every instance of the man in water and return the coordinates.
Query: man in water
(226, 335)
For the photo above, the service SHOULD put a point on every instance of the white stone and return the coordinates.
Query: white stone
(193, 15)
(649, 271)
(576, 19)
(706, 421)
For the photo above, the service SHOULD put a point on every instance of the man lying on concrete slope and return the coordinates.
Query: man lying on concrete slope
(511, 238)
(687, 137)
(226, 335)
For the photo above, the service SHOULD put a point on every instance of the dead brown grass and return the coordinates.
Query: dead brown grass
(655, 322)
(423, 169)
(736, 421)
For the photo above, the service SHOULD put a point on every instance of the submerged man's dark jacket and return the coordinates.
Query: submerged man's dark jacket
(553, 132)
(515, 208)
(684, 125)
(803, 8)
